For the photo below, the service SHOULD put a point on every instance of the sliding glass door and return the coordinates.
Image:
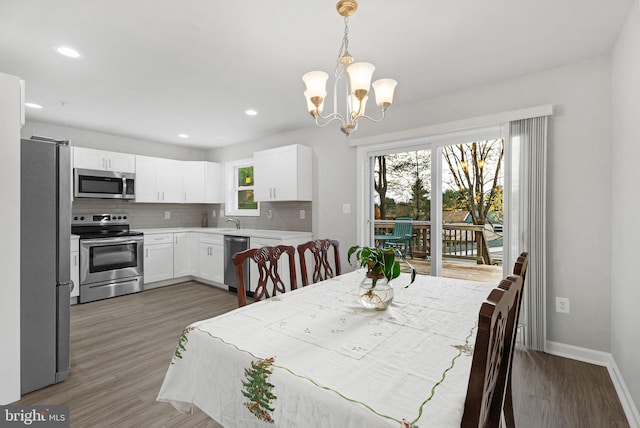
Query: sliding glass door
(439, 203)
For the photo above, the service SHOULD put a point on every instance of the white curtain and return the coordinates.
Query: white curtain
(528, 222)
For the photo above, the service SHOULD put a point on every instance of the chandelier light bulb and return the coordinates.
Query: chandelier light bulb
(314, 110)
(357, 106)
(384, 89)
(316, 83)
(360, 77)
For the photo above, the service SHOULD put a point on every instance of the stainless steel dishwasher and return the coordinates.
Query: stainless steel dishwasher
(232, 245)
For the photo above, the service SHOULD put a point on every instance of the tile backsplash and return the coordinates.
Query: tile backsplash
(284, 215)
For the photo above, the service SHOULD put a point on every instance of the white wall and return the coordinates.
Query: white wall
(114, 143)
(10, 260)
(625, 285)
(579, 243)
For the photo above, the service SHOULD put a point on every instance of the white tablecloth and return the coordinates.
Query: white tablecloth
(315, 358)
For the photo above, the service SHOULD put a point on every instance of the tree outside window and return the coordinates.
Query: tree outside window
(239, 199)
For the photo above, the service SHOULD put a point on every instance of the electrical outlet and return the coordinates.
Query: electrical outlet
(562, 305)
(221, 213)
(213, 213)
(269, 213)
(302, 214)
(167, 214)
(346, 208)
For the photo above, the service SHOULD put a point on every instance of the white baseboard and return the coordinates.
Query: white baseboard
(604, 359)
(630, 409)
(577, 353)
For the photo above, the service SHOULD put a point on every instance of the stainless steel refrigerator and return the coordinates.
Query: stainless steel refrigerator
(45, 283)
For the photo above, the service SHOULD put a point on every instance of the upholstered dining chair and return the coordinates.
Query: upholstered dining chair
(520, 269)
(269, 283)
(322, 266)
(492, 356)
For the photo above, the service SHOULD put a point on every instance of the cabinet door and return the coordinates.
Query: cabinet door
(89, 158)
(122, 162)
(205, 257)
(264, 164)
(217, 263)
(182, 254)
(194, 182)
(214, 183)
(283, 174)
(158, 262)
(169, 180)
(146, 179)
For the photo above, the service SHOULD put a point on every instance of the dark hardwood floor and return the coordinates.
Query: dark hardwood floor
(121, 348)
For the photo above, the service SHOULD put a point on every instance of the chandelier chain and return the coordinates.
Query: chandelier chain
(344, 48)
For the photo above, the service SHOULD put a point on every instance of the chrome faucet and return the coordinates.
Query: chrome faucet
(235, 221)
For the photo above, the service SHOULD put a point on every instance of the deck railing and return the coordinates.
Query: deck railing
(459, 241)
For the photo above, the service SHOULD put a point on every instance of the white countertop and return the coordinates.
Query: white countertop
(251, 233)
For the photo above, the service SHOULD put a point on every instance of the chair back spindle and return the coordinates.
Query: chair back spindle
(322, 266)
(269, 282)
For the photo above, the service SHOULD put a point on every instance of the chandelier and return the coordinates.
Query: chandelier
(357, 84)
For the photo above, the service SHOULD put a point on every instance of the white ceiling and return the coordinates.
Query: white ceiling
(154, 69)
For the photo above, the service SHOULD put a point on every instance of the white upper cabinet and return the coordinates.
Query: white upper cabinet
(283, 174)
(158, 180)
(202, 182)
(103, 160)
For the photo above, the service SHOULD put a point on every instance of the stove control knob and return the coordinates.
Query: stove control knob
(75, 218)
(124, 217)
(82, 218)
(119, 217)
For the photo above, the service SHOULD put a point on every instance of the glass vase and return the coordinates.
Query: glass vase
(375, 293)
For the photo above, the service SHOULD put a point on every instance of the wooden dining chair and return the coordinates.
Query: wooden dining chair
(322, 266)
(519, 269)
(269, 283)
(492, 356)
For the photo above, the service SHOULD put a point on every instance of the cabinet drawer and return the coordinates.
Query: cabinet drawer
(210, 238)
(159, 238)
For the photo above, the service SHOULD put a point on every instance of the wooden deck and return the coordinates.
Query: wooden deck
(458, 269)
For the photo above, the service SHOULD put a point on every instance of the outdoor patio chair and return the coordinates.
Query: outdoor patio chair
(402, 238)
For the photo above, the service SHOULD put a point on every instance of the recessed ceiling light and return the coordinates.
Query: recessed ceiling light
(67, 51)
(183, 135)
(251, 112)
(33, 105)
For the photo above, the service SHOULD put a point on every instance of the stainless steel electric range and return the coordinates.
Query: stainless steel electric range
(111, 256)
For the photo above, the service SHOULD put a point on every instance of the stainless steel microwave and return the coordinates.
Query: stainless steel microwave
(90, 183)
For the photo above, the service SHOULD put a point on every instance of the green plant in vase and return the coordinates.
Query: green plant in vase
(376, 291)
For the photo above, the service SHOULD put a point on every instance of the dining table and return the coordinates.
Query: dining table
(315, 357)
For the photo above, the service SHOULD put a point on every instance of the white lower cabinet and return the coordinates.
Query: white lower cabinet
(184, 254)
(211, 257)
(75, 266)
(174, 255)
(158, 257)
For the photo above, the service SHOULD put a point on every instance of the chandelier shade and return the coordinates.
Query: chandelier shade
(384, 89)
(354, 78)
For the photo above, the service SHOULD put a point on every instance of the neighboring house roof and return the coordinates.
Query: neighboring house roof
(455, 216)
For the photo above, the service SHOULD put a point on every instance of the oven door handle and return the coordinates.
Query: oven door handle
(109, 241)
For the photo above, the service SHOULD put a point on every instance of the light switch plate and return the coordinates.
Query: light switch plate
(346, 208)
(167, 214)
(302, 214)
